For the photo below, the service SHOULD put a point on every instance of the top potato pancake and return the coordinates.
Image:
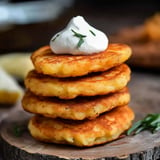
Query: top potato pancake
(67, 65)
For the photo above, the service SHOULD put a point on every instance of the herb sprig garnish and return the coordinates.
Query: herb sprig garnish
(151, 122)
(18, 130)
(80, 36)
(55, 37)
(92, 32)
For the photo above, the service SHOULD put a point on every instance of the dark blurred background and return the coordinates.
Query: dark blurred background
(26, 25)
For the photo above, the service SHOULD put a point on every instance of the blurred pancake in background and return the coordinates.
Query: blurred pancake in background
(144, 39)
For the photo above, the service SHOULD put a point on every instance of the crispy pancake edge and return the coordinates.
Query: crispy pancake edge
(46, 62)
(68, 88)
(105, 128)
(76, 109)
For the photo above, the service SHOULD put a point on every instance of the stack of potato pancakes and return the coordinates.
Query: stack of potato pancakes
(80, 100)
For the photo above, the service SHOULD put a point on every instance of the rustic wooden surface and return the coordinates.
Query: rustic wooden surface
(6, 110)
(145, 92)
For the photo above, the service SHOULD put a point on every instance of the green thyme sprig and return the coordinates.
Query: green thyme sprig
(55, 37)
(92, 33)
(80, 36)
(18, 130)
(151, 122)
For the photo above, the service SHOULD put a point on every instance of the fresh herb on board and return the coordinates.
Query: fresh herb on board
(80, 36)
(55, 37)
(92, 32)
(18, 130)
(151, 122)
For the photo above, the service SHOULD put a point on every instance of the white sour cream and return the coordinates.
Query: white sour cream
(79, 38)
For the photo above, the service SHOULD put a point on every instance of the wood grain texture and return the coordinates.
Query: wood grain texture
(145, 92)
(6, 110)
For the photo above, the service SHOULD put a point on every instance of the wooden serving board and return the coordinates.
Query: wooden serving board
(145, 92)
(4, 111)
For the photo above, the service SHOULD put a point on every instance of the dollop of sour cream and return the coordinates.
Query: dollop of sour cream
(79, 38)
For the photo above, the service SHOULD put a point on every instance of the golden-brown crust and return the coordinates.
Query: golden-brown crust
(102, 129)
(68, 88)
(46, 62)
(77, 109)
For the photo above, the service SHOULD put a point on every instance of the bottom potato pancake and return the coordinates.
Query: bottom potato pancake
(107, 127)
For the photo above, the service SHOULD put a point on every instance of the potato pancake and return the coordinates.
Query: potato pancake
(66, 65)
(107, 127)
(77, 109)
(100, 83)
